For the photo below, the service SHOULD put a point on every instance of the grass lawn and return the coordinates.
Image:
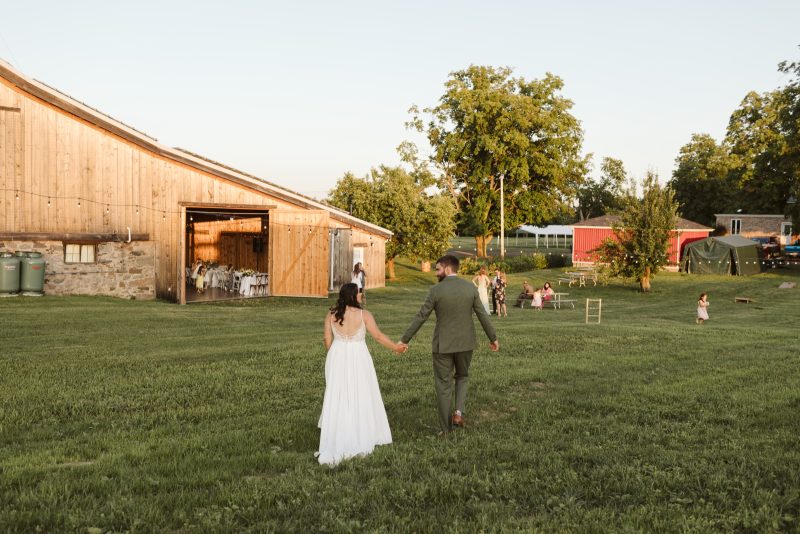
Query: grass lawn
(465, 246)
(148, 416)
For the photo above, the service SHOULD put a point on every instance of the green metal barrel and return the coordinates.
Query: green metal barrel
(9, 274)
(31, 281)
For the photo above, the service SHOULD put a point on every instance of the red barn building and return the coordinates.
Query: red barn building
(589, 234)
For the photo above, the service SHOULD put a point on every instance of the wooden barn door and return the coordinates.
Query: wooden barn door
(341, 253)
(298, 253)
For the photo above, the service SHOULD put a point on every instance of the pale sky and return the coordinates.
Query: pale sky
(298, 93)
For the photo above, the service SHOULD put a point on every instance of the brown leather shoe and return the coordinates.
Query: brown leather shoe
(458, 420)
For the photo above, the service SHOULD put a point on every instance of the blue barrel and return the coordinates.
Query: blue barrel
(9, 274)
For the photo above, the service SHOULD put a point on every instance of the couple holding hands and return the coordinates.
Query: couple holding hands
(353, 419)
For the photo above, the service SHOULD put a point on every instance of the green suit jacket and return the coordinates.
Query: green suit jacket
(453, 300)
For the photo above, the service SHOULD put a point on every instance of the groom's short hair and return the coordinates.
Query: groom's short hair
(449, 261)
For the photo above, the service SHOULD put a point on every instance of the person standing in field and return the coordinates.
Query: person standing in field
(702, 308)
(454, 300)
(482, 282)
(500, 293)
(359, 279)
(353, 419)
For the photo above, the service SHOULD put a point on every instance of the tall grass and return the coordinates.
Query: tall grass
(147, 416)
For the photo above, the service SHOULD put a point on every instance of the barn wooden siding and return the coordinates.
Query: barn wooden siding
(229, 243)
(585, 239)
(61, 173)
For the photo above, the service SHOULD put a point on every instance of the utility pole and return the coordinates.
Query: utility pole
(502, 220)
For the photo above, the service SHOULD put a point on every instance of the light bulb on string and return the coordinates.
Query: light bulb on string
(48, 202)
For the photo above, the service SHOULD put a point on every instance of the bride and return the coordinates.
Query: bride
(353, 418)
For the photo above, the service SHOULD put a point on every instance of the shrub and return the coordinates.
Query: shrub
(515, 264)
(469, 266)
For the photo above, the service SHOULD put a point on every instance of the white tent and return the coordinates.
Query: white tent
(550, 233)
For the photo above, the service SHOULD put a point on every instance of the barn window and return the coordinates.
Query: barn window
(736, 226)
(75, 253)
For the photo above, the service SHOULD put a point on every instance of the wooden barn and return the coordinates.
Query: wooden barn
(589, 234)
(116, 213)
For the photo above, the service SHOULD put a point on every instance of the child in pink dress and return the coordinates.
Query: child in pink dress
(702, 308)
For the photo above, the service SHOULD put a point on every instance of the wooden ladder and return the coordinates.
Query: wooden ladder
(594, 310)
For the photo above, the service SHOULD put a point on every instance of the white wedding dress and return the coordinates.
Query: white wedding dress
(353, 419)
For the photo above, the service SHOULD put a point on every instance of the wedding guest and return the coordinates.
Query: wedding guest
(547, 291)
(195, 268)
(500, 294)
(200, 281)
(527, 294)
(454, 301)
(359, 278)
(481, 281)
(495, 281)
(537, 299)
(702, 308)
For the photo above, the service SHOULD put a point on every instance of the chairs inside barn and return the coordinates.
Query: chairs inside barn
(260, 286)
(237, 282)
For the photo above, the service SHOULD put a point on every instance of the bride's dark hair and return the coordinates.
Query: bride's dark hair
(348, 296)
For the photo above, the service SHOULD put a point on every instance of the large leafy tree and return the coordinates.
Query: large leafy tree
(391, 197)
(489, 125)
(789, 118)
(642, 234)
(600, 196)
(757, 140)
(702, 179)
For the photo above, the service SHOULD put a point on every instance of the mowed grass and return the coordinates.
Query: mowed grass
(465, 246)
(147, 416)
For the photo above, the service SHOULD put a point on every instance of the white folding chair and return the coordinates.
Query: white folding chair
(237, 282)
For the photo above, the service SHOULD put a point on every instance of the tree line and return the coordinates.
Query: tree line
(490, 127)
(755, 168)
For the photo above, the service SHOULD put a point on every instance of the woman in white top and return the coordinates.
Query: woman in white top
(482, 282)
(353, 419)
(359, 279)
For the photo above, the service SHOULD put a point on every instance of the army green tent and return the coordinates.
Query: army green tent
(731, 254)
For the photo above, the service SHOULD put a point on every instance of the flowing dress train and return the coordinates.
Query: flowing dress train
(353, 419)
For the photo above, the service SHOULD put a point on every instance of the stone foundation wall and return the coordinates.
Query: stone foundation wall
(125, 270)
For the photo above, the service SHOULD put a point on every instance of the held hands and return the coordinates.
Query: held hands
(400, 347)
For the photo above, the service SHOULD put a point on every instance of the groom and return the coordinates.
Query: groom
(454, 300)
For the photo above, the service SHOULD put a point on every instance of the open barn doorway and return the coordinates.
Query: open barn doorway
(226, 253)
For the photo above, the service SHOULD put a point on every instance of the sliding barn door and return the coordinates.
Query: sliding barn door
(298, 253)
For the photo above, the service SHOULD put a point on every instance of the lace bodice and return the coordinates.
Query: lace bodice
(358, 335)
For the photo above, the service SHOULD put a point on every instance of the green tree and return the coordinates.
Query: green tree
(789, 119)
(598, 197)
(702, 179)
(758, 142)
(489, 125)
(642, 235)
(393, 198)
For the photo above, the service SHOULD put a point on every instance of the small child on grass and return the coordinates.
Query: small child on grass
(702, 308)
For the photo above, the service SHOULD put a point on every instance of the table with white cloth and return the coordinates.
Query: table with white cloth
(215, 276)
(247, 281)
